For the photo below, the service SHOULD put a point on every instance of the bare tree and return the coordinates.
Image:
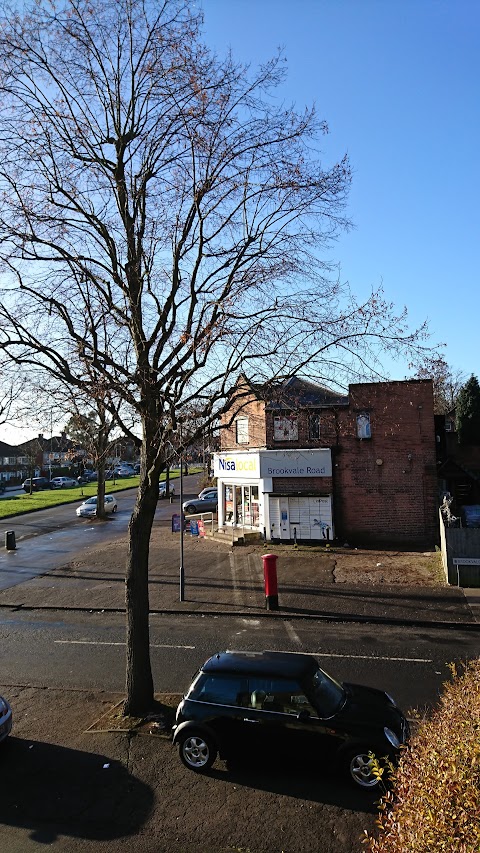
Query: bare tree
(447, 382)
(92, 429)
(152, 189)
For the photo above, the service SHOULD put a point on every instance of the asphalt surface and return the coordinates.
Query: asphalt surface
(70, 784)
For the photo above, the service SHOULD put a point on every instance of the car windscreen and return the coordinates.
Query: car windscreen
(91, 501)
(328, 694)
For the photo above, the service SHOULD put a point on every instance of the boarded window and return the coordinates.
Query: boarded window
(363, 425)
(285, 428)
(241, 427)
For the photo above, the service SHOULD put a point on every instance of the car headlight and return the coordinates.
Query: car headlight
(391, 737)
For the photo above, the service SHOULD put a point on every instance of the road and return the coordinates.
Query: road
(50, 537)
(56, 649)
(87, 651)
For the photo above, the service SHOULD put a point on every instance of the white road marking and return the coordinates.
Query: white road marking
(95, 643)
(293, 634)
(356, 657)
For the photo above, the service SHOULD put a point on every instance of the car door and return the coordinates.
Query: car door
(220, 701)
(287, 722)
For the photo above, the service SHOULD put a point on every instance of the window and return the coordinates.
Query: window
(285, 428)
(283, 696)
(220, 689)
(314, 426)
(241, 426)
(363, 425)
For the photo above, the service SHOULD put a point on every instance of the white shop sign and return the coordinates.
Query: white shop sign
(272, 463)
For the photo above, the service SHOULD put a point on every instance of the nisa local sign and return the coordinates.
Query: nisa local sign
(236, 465)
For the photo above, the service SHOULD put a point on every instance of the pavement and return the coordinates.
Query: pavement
(345, 584)
(73, 786)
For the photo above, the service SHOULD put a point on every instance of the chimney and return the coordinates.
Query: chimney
(40, 435)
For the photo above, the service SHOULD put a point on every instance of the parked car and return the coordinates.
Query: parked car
(297, 710)
(89, 507)
(5, 719)
(162, 489)
(89, 476)
(124, 471)
(198, 505)
(37, 484)
(63, 482)
(210, 492)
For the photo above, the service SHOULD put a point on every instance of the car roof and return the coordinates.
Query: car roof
(286, 664)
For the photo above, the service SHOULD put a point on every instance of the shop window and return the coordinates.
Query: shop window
(241, 427)
(363, 425)
(285, 428)
(314, 426)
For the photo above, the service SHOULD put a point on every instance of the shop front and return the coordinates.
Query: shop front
(284, 494)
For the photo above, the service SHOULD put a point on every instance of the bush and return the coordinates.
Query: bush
(434, 802)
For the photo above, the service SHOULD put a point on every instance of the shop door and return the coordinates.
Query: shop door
(284, 519)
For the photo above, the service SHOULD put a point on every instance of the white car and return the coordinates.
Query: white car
(63, 482)
(89, 507)
(162, 489)
(211, 492)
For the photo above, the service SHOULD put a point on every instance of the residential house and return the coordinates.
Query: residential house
(12, 463)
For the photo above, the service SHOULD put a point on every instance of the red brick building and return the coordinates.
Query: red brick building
(300, 462)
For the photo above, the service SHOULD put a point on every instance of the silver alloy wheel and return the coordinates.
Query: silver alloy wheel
(361, 770)
(195, 751)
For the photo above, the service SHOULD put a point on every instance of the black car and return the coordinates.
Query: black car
(37, 484)
(283, 703)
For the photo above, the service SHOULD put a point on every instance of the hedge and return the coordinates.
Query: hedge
(433, 805)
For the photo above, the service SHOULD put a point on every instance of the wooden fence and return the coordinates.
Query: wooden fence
(460, 548)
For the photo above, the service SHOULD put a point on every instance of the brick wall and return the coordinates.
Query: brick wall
(313, 485)
(385, 487)
(254, 410)
(328, 429)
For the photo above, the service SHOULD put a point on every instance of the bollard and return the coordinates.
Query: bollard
(270, 577)
(10, 544)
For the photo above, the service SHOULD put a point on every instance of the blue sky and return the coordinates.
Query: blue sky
(398, 83)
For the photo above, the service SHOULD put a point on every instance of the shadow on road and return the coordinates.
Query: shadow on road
(305, 780)
(51, 790)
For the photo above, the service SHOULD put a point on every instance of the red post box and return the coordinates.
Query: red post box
(270, 578)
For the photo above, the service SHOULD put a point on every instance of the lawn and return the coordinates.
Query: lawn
(20, 504)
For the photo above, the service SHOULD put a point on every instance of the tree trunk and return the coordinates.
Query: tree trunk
(139, 680)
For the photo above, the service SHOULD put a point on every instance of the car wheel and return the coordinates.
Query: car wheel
(114, 509)
(191, 508)
(197, 751)
(360, 766)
